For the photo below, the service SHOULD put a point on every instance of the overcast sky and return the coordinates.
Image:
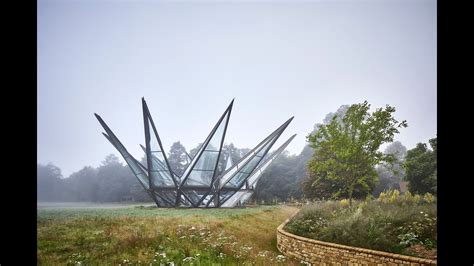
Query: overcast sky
(189, 59)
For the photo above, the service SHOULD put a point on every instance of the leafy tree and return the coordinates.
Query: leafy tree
(325, 190)
(421, 168)
(346, 150)
(178, 158)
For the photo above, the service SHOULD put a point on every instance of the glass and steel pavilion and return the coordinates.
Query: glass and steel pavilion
(201, 185)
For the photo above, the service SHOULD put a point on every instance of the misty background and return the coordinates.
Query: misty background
(189, 59)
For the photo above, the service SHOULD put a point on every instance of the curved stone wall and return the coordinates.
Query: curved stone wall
(318, 252)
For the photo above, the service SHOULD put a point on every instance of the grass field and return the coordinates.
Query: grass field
(144, 235)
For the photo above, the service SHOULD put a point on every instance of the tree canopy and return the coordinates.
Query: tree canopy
(178, 158)
(346, 151)
(421, 168)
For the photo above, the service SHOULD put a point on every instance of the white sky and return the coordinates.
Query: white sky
(190, 58)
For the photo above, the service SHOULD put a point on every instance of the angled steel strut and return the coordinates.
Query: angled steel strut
(200, 185)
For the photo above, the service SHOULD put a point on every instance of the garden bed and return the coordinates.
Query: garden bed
(396, 224)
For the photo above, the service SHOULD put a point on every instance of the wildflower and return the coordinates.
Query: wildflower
(188, 259)
(280, 258)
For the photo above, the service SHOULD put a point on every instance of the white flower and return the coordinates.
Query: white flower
(280, 258)
(188, 259)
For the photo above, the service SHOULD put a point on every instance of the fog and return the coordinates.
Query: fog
(189, 59)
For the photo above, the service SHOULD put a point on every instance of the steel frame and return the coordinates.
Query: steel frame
(179, 188)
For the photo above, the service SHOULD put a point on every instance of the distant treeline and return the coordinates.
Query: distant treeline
(113, 181)
(284, 180)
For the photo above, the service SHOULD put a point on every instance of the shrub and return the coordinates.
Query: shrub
(344, 203)
(429, 198)
(417, 199)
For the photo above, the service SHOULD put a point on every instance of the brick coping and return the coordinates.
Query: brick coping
(280, 230)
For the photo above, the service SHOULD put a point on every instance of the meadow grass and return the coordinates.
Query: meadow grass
(148, 235)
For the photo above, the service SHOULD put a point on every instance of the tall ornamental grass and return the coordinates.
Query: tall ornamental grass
(404, 224)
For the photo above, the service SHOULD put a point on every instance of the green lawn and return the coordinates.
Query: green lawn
(147, 235)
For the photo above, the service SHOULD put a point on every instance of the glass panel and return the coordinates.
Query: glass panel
(154, 145)
(162, 200)
(236, 180)
(161, 178)
(246, 196)
(248, 168)
(157, 163)
(262, 152)
(194, 196)
(199, 178)
(229, 163)
(232, 201)
(202, 173)
(137, 171)
(224, 195)
(215, 142)
(185, 202)
(143, 180)
(245, 171)
(170, 196)
(254, 177)
(160, 174)
(207, 159)
(205, 201)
